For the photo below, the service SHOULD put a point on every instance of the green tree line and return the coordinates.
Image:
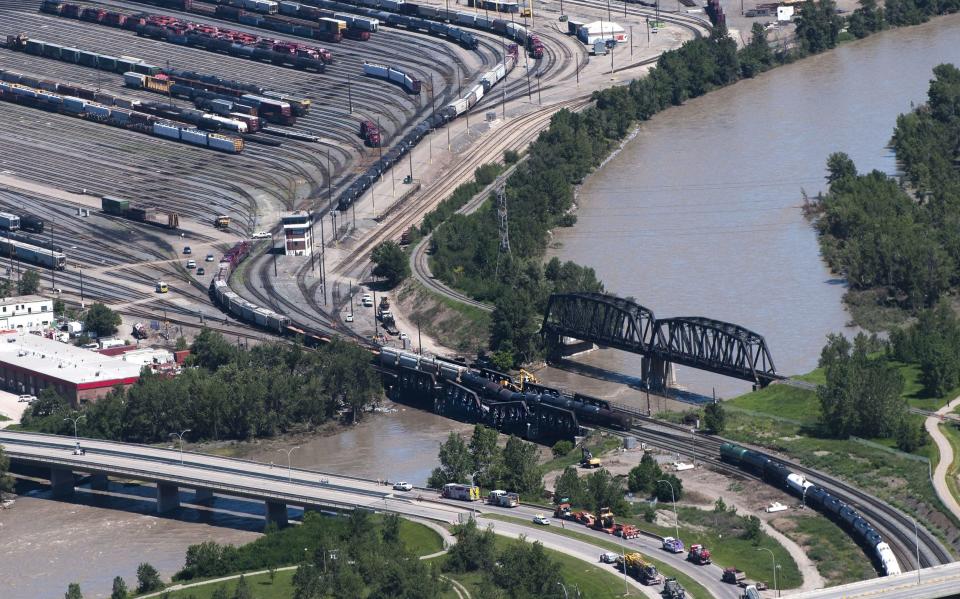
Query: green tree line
(901, 238)
(230, 393)
(513, 467)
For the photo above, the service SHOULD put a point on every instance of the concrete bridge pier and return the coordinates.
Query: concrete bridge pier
(201, 495)
(276, 513)
(168, 498)
(61, 482)
(657, 372)
(99, 482)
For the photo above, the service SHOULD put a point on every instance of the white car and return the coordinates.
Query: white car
(402, 486)
(608, 557)
(541, 520)
(261, 235)
(349, 318)
(26, 398)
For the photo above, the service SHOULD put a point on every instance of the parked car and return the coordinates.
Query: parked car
(209, 258)
(200, 271)
(608, 557)
(191, 263)
(26, 398)
(541, 520)
(187, 250)
(402, 486)
(261, 235)
(349, 318)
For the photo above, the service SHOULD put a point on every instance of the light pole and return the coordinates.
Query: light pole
(180, 437)
(565, 595)
(676, 518)
(77, 440)
(774, 559)
(289, 469)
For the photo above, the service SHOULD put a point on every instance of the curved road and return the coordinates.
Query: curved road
(932, 424)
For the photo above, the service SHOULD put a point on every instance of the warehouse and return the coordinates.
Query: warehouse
(601, 31)
(26, 312)
(31, 363)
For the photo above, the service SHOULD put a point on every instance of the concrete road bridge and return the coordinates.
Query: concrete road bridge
(937, 582)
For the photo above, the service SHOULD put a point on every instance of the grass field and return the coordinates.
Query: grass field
(598, 444)
(786, 420)
(419, 539)
(952, 433)
(692, 586)
(839, 560)
(263, 588)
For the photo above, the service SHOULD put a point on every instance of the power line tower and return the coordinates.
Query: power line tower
(504, 226)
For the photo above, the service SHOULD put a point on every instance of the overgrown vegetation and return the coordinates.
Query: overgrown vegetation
(231, 394)
(648, 478)
(901, 242)
(390, 263)
(484, 463)
(838, 559)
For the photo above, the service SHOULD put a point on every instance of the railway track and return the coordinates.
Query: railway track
(896, 527)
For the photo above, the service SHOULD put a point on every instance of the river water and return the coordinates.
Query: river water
(699, 215)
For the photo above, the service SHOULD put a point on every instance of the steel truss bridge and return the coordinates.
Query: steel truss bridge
(693, 341)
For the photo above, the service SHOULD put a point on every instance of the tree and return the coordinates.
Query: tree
(561, 448)
(714, 417)
(910, 435)
(486, 454)
(73, 591)
(390, 532)
(531, 572)
(840, 166)
(601, 490)
(753, 531)
(119, 589)
(670, 492)
(6, 481)
(243, 589)
(59, 307)
(474, 550)
(29, 283)
(643, 477)
(148, 579)
(101, 320)
(569, 487)
(455, 463)
(521, 472)
(211, 350)
(392, 263)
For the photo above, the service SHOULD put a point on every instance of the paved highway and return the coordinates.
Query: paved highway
(275, 483)
(935, 583)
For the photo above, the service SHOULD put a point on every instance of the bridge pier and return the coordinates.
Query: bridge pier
(276, 513)
(200, 495)
(168, 498)
(99, 482)
(657, 372)
(61, 482)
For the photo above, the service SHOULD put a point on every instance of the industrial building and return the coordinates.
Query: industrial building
(26, 312)
(30, 363)
(590, 33)
(297, 234)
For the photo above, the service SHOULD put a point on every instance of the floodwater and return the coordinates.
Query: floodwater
(700, 214)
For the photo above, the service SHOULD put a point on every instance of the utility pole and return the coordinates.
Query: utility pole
(349, 95)
(504, 226)
(323, 263)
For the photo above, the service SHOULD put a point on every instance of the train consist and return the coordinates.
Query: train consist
(393, 75)
(246, 311)
(147, 215)
(19, 249)
(779, 475)
(197, 35)
(457, 391)
(126, 118)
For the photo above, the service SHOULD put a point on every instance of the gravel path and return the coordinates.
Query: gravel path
(932, 424)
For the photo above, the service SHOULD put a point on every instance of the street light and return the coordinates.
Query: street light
(565, 595)
(916, 541)
(180, 437)
(75, 421)
(772, 557)
(289, 452)
(673, 497)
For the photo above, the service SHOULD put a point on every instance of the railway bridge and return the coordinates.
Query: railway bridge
(693, 341)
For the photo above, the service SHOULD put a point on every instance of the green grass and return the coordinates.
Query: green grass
(952, 433)
(3, 418)
(598, 444)
(457, 325)
(420, 539)
(692, 586)
(594, 582)
(838, 559)
(262, 587)
(781, 401)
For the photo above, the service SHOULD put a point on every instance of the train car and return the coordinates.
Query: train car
(33, 224)
(33, 254)
(889, 561)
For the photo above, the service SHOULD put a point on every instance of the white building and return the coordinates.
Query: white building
(297, 238)
(601, 31)
(26, 312)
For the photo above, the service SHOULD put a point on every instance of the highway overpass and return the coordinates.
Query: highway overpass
(938, 582)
